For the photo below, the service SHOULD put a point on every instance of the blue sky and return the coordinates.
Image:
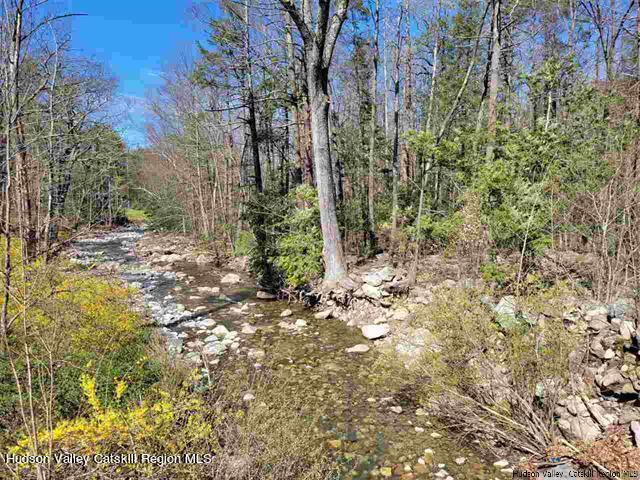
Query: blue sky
(134, 38)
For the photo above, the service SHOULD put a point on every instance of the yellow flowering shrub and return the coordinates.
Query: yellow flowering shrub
(167, 425)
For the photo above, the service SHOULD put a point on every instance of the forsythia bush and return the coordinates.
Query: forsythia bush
(172, 424)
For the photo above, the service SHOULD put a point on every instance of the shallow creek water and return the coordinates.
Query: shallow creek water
(341, 386)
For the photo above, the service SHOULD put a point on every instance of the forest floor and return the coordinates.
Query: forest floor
(214, 318)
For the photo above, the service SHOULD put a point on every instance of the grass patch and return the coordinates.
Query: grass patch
(136, 216)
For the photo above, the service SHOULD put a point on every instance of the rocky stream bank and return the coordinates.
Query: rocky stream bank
(214, 318)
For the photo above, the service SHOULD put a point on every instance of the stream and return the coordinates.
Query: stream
(196, 311)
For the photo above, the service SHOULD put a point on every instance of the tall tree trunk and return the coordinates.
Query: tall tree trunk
(434, 71)
(319, 38)
(335, 267)
(371, 220)
(494, 78)
(395, 164)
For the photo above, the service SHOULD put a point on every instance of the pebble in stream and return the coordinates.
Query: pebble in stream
(204, 319)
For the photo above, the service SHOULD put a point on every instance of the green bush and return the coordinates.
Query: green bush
(300, 247)
(244, 244)
(128, 363)
(501, 380)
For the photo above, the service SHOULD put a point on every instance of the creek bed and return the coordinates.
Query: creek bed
(368, 439)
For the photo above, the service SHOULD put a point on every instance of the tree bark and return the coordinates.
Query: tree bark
(372, 140)
(494, 78)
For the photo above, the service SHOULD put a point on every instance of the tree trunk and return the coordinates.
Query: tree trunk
(372, 140)
(319, 38)
(395, 165)
(494, 78)
(332, 245)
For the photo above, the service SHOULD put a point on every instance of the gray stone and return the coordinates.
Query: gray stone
(387, 273)
(286, 313)
(584, 428)
(214, 348)
(619, 308)
(174, 344)
(220, 331)
(300, 323)
(598, 323)
(373, 332)
(401, 314)
(626, 329)
(612, 377)
(360, 348)
(324, 314)
(262, 295)
(371, 291)
(231, 278)
(373, 279)
(348, 283)
(249, 330)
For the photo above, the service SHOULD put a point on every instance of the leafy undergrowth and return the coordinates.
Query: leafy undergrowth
(92, 379)
(503, 382)
(136, 216)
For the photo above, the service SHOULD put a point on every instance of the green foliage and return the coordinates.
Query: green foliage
(136, 216)
(166, 214)
(128, 363)
(300, 248)
(479, 370)
(245, 244)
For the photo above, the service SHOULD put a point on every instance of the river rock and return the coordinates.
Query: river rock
(401, 314)
(371, 291)
(387, 273)
(209, 290)
(220, 331)
(286, 313)
(360, 348)
(300, 323)
(372, 279)
(249, 329)
(373, 332)
(324, 314)
(255, 354)
(262, 295)
(231, 278)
